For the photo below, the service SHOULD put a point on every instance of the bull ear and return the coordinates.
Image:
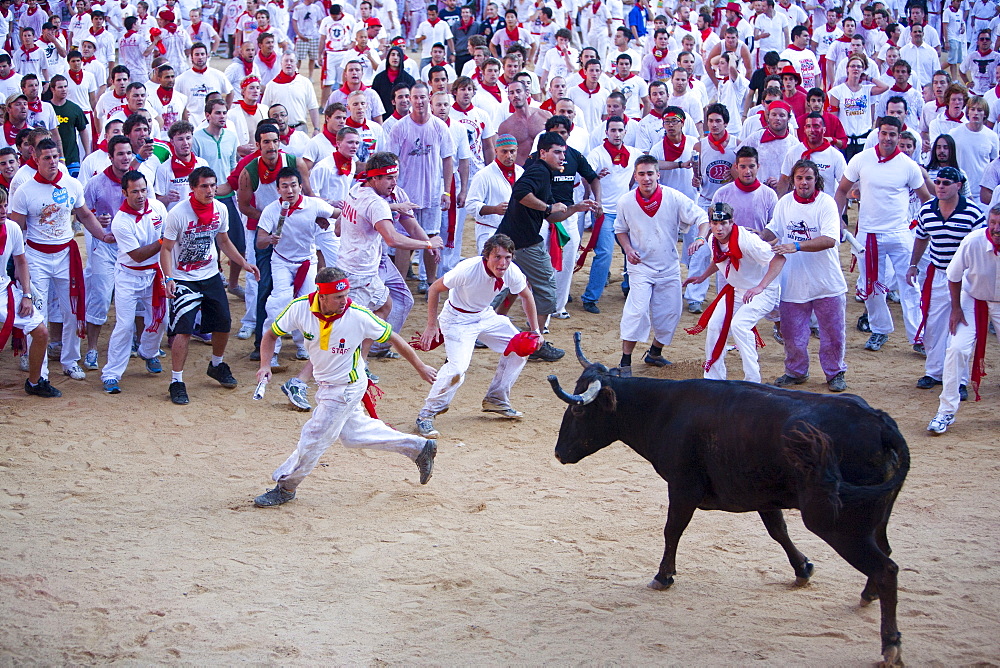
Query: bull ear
(607, 400)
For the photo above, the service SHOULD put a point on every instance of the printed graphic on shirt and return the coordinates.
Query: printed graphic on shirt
(195, 245)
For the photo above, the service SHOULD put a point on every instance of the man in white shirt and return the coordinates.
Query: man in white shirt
(804, 60)
(467, 316)
(976, 146)
(773, 142)
(170, 185)
(200, 80)
(306, 18)
(296, 93)
(885, 178)
(433, 31)
(490, 189)
(590, 96)
(922, 57)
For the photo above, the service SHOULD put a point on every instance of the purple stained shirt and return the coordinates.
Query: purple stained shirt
(750, 209)
(103, 196)
(421, 150)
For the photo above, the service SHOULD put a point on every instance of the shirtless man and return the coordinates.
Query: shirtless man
(525, 123)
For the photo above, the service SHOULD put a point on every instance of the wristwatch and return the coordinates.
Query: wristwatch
(548, 209)
(27, 295)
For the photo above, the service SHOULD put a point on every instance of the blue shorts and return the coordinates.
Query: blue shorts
(956, 51)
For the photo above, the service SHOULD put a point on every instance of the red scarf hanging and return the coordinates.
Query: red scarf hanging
(982, 324)
(54, 182)
(452, 212)
(8, 325)
(508, 173)
(76, 77)
(31, 50)
(462, 25)
(881, 159)
(720, 145)
(205, 213)
(10, 132)
(948, 116)
(182, 169)
(596, 7)
(660, 54)
(770, 136)
(434, 22)
(266, 175)
(283, 78)
(704, 34)
(351, 123)
(595, 234)
(35, 106)
(747, 189)
(247, 67)
(652, 205)
(286, 138)
(248, 109)
(926, 290)
(77, 289)
(872, 285)
(96, 33)
(165, 95)
(619, 155)
(87, 61)
(591, 93)
(671, 151)
(823, 145)
(513, 37)
(110, 173)
(343, 163)
(347, 91)
(268, 60)
(494, 90)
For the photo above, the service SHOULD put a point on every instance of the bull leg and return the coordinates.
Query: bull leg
(774, 522)
(678, 515)
(870, 592)
(864, 554)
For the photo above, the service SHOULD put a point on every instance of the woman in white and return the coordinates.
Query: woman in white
(852, 101)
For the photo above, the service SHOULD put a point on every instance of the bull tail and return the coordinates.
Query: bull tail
(809, 451)
(896, 451)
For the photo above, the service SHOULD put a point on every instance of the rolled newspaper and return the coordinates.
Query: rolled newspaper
(281, 218)
(258, 394)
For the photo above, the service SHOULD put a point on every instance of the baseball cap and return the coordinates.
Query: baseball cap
(373, 22)
(14, 96)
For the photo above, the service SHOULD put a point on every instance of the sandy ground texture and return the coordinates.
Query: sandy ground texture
(129, 535)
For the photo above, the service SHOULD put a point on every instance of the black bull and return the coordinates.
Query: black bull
(742, 447)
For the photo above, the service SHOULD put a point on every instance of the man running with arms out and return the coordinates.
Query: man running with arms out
(335, 330)
(468, 316)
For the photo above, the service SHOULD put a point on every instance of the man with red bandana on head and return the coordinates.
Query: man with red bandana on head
(773, 142)
(336, 329)
(817, 149)
(171, 40)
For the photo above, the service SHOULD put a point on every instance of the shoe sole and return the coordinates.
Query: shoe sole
(503, 413)
(427, 454)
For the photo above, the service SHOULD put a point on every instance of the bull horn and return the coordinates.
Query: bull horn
(576, 399)
(577, 336)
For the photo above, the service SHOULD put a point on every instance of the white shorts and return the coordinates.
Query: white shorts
(25, 324)
(368, 291)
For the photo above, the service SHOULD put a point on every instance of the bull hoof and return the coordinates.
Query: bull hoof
(803, 578)
(659, 583)
(892, 657)
(867, 598)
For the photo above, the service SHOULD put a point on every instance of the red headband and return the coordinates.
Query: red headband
(332, 287)
(673, 116)
(249, 80)
(391, 170)
(779, 104)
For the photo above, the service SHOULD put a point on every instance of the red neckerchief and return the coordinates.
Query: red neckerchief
(248, 109)
(465, 26)
(164, 95)
(984, 54)
(434, 22)
(511, 107)
(846, 39)
(591, 93)
(881, 159)
(823, 145)
(88, 61)
(497, 282)
(502, 81)
(172, 28)
(200, 70)
(32, 50)
(619, 155)
(899, 89)
(686, 26)
(652, 205)
(30, 162)
(513, 37)
(205, 213)
(286, 138)
(283, 78)
(76, 77)
(268, 60)
(795, 48)
(398, 116)
(550, 106)
(182, 169)
(630, 75)
(96, 34)
(330, 137)
(132, 212)
(391, 74)
(673, 151)
(954, 120)
(32, 10)
(507, 173)
(705, 33)
(660, 54)
(347, 91)
(868, 27)
(746, 189)
(596, 6)
(343, 163)
(110, 173)
(460, 110)
(266, 175)
(734, 254)
(247, 67)
(296, 206)
(36, 106)
(770, 136)
(116, 95)
(805, 201)
(351, 123)
(656, 114)
(54, 182)
(12, 73)
(6, 184)
(493, 90)
(720, 145)
(981, 310)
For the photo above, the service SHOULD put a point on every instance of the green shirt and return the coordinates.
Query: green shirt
(71, 120)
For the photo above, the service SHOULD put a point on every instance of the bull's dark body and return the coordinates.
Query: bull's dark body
(742, 447)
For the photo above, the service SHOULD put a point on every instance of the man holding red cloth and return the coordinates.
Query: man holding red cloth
(749, 266)
(975, 303)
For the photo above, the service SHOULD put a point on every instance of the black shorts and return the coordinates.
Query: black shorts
(207, 297)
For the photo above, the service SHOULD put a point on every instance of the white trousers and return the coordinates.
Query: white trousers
(339, 414)
(452, 256)
(283, 279)
(483, 232)
(653, 300)
(936, 330)
(745, 318)
(460, 332)
(250, 292)
(328, 243)
(564, 277)
(131, 288)
(50, 275)
(25, 324)
(959, 354)
(99, 278)
(895, 249)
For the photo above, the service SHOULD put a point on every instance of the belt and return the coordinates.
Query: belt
(856, 139)
(462, 310)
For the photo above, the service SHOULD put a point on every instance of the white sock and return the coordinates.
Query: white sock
(216, 360)
(177, 376)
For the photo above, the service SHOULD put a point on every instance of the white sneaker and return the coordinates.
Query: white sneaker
(90, 361)
(75, 372)
(941, 422)
(22, 361)
(275, 362)
(561, 315)
(246, 331)
(301, 353)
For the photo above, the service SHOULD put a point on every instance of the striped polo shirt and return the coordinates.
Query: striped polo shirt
(946, 235)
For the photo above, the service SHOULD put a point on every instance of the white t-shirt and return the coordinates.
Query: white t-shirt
(472, 289)
(830, 161)
(975, 151)
(360, 242)
(808, 276)
(616, 183)
(771, 154)
(298, 96)
(757, 255)
(165, 182)
(805, 63)
(655, 238)
(634, 89)
(855, 111)
(885, 191)
(327, 182)
(131, 234)
(679, 178)
(49, 209)
(421, 149)
(197, 85)
(299, 232)
(336, 362)
(195, 256)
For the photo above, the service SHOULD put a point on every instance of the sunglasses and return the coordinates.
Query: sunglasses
(943, 182)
